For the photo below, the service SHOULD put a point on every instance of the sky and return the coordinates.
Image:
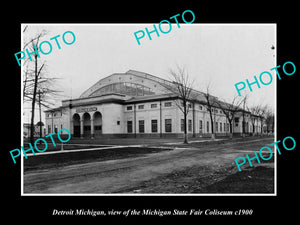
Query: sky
(220, 55)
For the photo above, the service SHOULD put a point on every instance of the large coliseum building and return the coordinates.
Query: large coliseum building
(134, 104)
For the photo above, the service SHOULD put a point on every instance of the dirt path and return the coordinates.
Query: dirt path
(117, 176)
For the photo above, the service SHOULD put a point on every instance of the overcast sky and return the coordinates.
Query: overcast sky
(219, 54)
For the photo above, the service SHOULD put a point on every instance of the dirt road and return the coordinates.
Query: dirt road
(117, 176)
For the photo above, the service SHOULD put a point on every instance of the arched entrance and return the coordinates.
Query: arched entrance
(76, 125)
(97, 119)
(86, 124)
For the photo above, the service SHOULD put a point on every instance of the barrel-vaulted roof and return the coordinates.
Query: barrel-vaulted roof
(139, 86)
(131, 83)
(136, 84)
(134, 87)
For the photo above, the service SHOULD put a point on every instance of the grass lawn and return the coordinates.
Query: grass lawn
(71, 158)
(51, 147)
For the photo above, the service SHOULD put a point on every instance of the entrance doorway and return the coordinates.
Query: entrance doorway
(86, 125)
(76, 125)
(97, 123)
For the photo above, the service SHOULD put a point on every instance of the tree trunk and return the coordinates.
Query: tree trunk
(194, 124)
(261, 127)
(185, 139)
(185, 123)
(33, 100)
(212, 126)
(230, 129)
(40, 111)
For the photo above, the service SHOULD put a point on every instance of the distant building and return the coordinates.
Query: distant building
(26, 130)
(135, 104)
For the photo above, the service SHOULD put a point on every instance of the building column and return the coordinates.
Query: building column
(134, 119)
(92, 128)
(81, 128)
(71, 127)
(160, 119)
(194, 121)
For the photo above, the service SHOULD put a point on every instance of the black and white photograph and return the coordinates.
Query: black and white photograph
(167, 114)
(174, 114)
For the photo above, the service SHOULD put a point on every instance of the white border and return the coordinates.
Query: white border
(275, 117)
(140, 24)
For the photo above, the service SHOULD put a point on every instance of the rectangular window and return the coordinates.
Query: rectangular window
(141, 107)
(216, 127)
(200, 107)
(200, 126)
(129, 126)
(49, 129)
(236, 120)
(168, 104)
(118, 122)
(207, 126)
(154, 126)
(153, 105)
(129, 108)
(190, 125)
(141, 126)
(220, 127)
(168, 125)
(182, 125)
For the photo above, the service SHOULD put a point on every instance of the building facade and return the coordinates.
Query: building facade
(135, 104)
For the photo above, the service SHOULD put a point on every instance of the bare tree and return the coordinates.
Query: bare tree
(230, 110)
(211, 103)
(37, 72)
(254, 110)
(182, 87)
(269, 119)
(261, 112)
(244, 103)
(44, 91)
(264, 114)
(36, 86)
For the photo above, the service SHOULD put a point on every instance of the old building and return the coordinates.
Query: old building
(134, 104)
(26, 130)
